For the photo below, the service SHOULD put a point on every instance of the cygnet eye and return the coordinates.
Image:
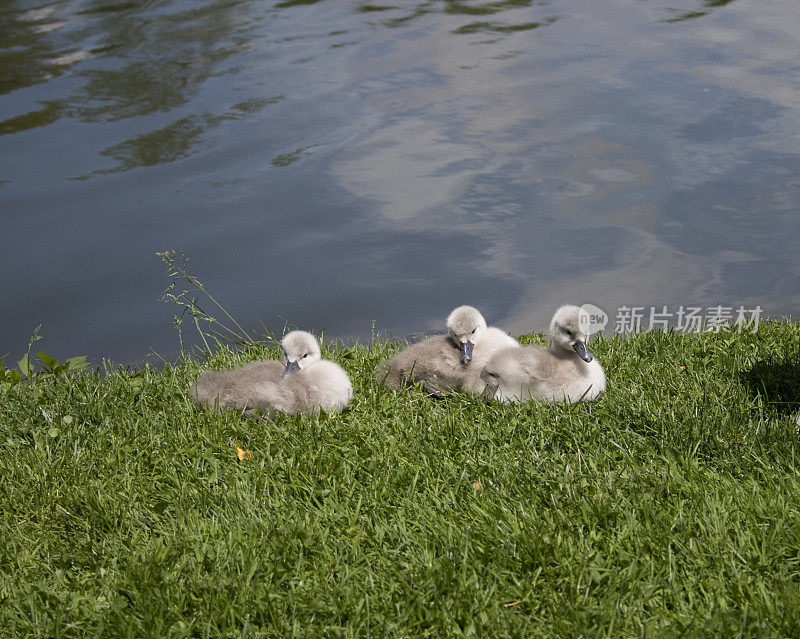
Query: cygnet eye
(473, 331)
(569, 333)
(306, 355)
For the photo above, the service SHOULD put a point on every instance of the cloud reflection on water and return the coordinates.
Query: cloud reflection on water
(599, 224)
(510, 154)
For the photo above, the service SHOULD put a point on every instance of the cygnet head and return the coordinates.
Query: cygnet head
(504, 374)
(465, 326)
(566, 331)
(299, 350)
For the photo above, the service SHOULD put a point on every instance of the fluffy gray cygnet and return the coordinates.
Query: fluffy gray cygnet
(302, 382)
(565, 372)
(448, 362)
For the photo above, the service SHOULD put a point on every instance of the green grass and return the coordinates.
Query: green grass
(670, 507)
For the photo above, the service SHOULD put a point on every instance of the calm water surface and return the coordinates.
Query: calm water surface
(335, 163)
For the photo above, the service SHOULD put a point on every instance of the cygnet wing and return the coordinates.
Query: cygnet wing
(553, 378)
(326, 386)
(492, 341)
(434, 361)
(235, 388)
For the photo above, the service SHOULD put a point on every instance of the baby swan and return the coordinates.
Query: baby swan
(564, 372)
(448, 362)
(302, 383)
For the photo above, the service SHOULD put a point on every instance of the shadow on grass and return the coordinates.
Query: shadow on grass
(777, 382)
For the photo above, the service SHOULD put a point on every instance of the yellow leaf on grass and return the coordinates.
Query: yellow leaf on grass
(243, 454)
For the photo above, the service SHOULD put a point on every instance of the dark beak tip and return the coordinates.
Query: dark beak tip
(466, 352)
(582, 351)
(291, 367)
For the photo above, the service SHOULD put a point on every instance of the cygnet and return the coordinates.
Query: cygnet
(565, 372)
(302, 383)
(443, 363)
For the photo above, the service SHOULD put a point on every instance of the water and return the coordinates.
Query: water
(335, 163)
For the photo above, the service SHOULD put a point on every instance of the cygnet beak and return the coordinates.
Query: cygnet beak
(466, 352)
(291, 367)
(580, 349)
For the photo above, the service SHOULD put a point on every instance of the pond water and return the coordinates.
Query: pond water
(335, 163)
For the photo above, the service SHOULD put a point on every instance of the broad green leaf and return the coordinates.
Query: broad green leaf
(47, 360)
(78, 363)
(25, 366)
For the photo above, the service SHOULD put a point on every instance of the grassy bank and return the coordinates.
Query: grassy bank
(670, 506)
